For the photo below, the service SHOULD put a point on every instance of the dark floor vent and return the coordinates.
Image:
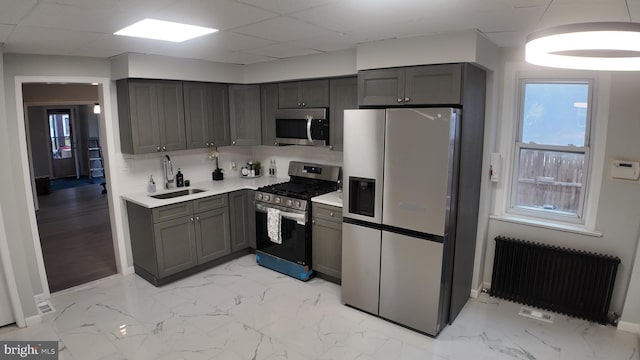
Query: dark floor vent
(566, 281)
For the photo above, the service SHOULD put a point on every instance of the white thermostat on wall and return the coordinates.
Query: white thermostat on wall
(625, 170)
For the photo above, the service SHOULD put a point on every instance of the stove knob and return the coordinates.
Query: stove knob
(289, 202)
(267, 197)
(277, 200)
(259, 196)
(298, 204)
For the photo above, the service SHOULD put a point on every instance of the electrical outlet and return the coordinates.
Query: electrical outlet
(233, 166)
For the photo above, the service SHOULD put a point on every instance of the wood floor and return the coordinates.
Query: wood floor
(75, 234)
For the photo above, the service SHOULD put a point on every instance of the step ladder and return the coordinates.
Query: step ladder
(94, 151)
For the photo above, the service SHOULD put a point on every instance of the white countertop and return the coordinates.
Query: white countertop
(211, 188)
(332, 198)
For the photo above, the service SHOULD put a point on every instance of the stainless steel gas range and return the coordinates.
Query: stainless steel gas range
(283, 218)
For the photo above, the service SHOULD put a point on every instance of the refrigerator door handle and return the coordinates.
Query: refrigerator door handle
(309, 120)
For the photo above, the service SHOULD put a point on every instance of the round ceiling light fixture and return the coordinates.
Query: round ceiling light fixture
(610, 46)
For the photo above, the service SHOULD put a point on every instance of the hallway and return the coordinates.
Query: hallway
(75, 234)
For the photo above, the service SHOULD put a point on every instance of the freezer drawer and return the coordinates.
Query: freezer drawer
(411, 274)
(361, 267)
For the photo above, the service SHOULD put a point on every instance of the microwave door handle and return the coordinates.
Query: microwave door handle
(309, 120)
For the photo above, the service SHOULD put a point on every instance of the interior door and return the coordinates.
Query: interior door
(62, 142)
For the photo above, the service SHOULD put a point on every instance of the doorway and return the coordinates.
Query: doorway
(72, 207)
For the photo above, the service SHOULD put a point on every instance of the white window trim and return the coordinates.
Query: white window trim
(506, 143)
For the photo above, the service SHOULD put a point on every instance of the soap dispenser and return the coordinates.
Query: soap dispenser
(151, 186)
(179, 179)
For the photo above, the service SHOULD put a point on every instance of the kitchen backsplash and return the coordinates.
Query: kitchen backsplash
(196, 166)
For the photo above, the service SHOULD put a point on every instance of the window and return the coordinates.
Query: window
(552, 149)
(60, 132)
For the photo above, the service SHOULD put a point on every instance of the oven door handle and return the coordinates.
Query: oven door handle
(300, 218)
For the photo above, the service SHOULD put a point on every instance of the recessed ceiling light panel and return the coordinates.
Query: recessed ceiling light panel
(611, 46)
(164, 30)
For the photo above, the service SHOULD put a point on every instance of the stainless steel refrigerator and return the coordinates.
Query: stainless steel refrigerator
(401, 181)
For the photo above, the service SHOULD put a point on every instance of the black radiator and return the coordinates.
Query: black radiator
(566, 281)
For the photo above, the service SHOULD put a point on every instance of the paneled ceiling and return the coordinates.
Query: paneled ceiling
(264, 30)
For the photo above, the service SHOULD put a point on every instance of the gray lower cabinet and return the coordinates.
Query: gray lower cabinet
(244, 114)
(327, 240)
(268, 107)
(242, 216)
(416, 85)
(173, 239)
(151, 115)
(343, 95)
(206, 112)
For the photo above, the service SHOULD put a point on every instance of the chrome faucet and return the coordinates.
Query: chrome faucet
(168, 171)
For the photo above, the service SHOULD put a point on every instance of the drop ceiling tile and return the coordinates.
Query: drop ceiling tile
(219, 14)
(507, 38)
(137, 8)
(14, 10)
(238, 57)
(327, 43)
(36, 40)
(282, 51)
(5, 31)
(283, 29)
(562, 14)
(123, 44)
(232, 41)
(95, 52)
(286, 6)
(69, 17)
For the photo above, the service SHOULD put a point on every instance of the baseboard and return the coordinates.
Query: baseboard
(475, 293)
(33, 320)
(629, 327)
(128, 271)
(38, 298)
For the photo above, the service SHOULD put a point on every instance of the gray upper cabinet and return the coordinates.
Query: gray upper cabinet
(206, 110)
(417, 85)
(343, 95)
(308, 93)
(244, 114)
(151, 114)
(268, 107)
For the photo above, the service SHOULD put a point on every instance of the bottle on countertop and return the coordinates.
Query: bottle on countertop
(151, 186)
(272, 167)
(179, 179)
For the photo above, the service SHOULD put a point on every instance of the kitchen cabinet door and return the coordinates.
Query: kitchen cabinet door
(327, 247)
(268, 107)
(289, 95)
(343, 95)
(175, 245)
(196, 115)
(381, 87)
(251, 218)
(171, 115)
(218, 109)
(315, 93)
(244, 114)
(213, 238)
(432, 84)
(239, 220)
(138, 116)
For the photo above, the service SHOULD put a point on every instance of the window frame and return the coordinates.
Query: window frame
(580, 216)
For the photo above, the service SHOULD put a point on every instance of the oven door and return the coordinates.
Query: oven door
(296, 235)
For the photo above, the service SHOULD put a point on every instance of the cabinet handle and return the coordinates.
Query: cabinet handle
(399, 100)
(233, 142)
(164, 148)
(191, 219)
(157, 148)
(331, 214)
(207, 144)
(313, 221)
(213, 144)
(407, 99)
(197, 218)
(299, 103)
(303, 104)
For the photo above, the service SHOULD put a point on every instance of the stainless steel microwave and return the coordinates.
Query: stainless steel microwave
(302, 127)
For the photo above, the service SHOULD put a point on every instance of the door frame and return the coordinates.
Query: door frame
(106, 120)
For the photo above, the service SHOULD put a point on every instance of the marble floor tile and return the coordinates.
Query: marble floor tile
(242, 311)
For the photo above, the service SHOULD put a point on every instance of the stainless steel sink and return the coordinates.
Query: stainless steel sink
(174, 194)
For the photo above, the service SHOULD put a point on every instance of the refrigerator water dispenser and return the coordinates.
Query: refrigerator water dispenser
(362, 196)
